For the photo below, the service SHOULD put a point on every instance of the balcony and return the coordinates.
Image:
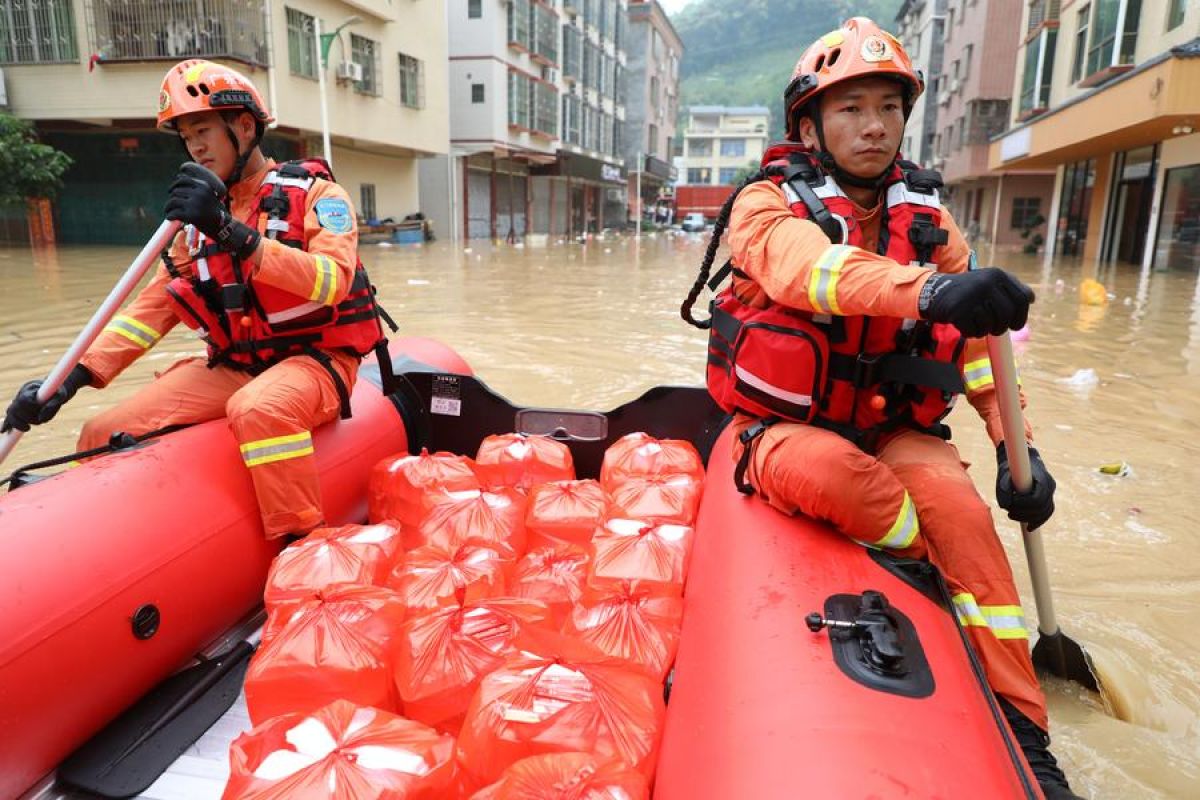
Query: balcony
(152, 30)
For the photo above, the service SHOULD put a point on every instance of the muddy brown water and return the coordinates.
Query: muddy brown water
(591, 326)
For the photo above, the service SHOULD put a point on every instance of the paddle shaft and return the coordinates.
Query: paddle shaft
(124, 287)
(1004, 372)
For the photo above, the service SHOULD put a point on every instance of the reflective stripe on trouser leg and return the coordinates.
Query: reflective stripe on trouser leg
(957, 530)
(801, 468)
(277, 448)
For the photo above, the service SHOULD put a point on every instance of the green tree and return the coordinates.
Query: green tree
(740, 176)
(31, 169)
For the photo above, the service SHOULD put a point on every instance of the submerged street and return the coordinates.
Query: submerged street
(592, 326)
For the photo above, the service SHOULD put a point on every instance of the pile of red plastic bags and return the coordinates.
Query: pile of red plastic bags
(500, 631)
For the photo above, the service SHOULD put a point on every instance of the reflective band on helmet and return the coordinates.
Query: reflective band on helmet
(822, 285)
(325, 284)
(1005, 622)
(750, 378)
(978, 374)
(904, 530)
(137, 332)
(899, 193)
(279, 448)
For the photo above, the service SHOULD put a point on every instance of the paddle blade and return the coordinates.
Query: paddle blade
(123, 761)
(1062, 656)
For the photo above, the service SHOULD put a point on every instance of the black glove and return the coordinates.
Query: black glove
(25, 410)
(1033, 508)
(197, 198)
(978, 302)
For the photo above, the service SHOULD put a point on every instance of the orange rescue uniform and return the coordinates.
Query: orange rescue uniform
(273, 414)
(914, 487)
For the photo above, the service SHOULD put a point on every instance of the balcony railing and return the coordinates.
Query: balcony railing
(148, 30)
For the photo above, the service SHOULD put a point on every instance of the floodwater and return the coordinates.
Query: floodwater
(591, 326)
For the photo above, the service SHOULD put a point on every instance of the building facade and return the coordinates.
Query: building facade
(973, 92)
(1108, 96)
(88, 75)
(920, 28)
(654, 51)
(721, 141)
(536, 120)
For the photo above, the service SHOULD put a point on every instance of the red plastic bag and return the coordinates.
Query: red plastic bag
(434, 576)
(567, 776)
(564, 511)
(398, 483)
(336, 645)
(638, 550)
(455, 518)
(441, 657)
(570, 699)
(375, 612)
(666, 498)
(553, 575)
(639, 455)
(340, 752)
(521, 462)
(633, 621)
(353, 554)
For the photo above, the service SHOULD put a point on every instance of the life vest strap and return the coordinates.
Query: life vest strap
(863, 371)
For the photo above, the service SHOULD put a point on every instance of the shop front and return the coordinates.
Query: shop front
(577, 194)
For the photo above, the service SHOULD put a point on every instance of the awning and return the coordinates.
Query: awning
(1141, 107)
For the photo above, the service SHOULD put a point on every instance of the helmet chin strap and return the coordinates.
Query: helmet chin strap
(830, 165)
(240, 165)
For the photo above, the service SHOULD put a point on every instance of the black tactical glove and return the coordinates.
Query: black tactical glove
(978, 302)
(25, 410)
(1033, 508)
(197, 198)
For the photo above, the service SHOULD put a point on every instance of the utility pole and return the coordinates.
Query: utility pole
(639, 195)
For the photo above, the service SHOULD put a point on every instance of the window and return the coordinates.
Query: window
(1175, 14)
(654, 91)
(545, 108)
(1110, 47)
(1178, 242)
(366, 201)
(476, 92)
(1081, 33)
(727, 174)
(412, 82)
(37, 33)
(1025, 212)
(474, 9)
(967, 53)
(1039, 67)
(733, 147)
(570, 117)
(519, 33)
(365, 52)
(699, 147)
(518, 100)
(147, 30)
(302, 47)
(699, 175)
(652, 140)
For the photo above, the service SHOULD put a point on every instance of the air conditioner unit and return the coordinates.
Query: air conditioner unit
(349, 71)
(954, 85)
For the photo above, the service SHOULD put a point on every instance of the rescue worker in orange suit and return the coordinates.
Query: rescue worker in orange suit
(856, 273)
(275, 379)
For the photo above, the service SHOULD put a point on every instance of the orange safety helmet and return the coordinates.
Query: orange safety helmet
(197, 85)
(858, 49)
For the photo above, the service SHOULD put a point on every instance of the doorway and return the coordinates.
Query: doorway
(1127, 223)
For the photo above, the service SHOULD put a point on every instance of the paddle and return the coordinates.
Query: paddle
(1054, 652)
(125, 286)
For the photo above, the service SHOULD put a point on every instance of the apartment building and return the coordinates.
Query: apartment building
(719, 141)
(654, 51)
(1106, 96)
(919, 27)
(87, 72)
(536, 120)
(973, 92)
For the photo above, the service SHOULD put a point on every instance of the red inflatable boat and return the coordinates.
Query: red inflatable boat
(118, 572)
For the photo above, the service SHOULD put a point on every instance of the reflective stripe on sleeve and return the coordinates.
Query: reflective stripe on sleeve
(1005, 622)
(822, 284)
(325, 283)
(134, 330)
(279, 448)
(978, 374)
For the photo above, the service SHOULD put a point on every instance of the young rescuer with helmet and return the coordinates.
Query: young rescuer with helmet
(267, 274)
(853, 319)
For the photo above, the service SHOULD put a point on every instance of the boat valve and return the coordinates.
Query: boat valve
(816, 622)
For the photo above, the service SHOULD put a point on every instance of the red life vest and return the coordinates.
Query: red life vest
(251, 325)
(857, 375)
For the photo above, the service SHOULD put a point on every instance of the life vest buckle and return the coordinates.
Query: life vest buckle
(866, 370)
(234, 296)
